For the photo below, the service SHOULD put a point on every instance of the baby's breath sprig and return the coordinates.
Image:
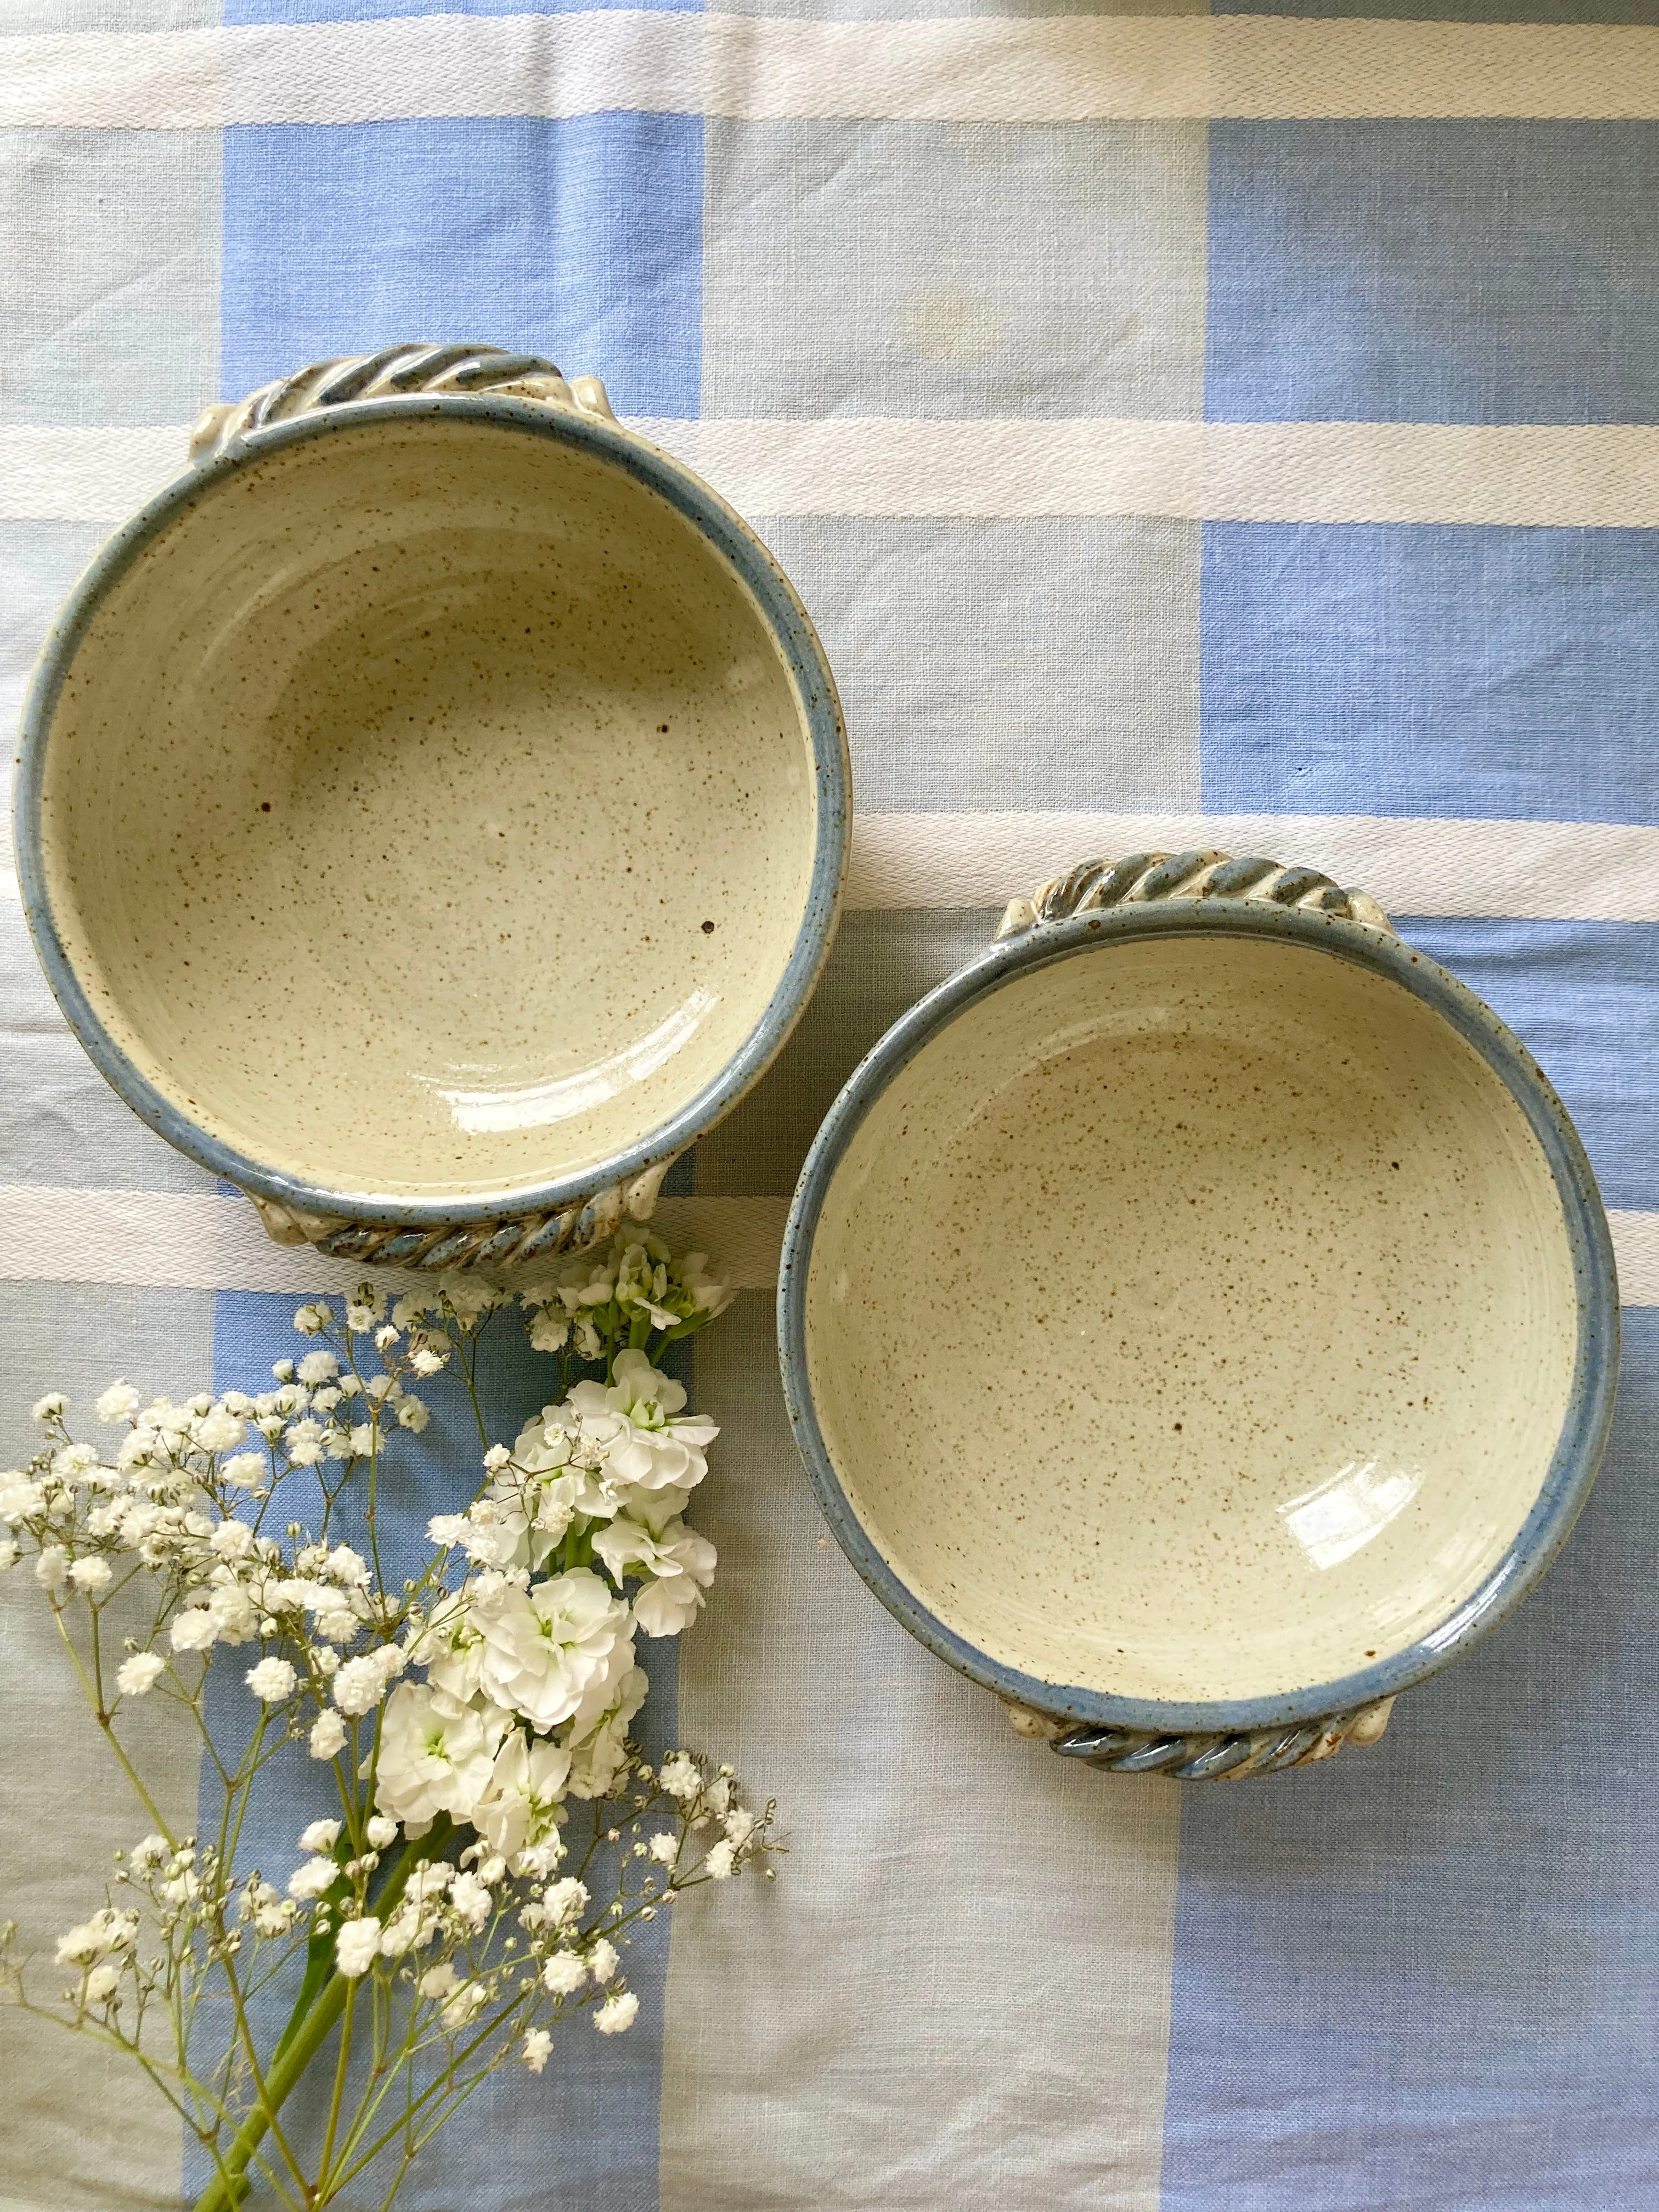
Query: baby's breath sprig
(449, 1918)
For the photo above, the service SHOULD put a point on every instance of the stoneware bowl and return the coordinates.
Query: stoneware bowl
(1198, 1318)
(432, 808)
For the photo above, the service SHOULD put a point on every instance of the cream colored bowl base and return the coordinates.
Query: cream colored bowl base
(429, 812)
(1193, 1319)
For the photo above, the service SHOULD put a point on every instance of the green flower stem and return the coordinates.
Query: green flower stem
(315, 2011)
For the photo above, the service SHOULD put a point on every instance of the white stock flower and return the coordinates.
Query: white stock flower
(520, 1803)
(91, 1576)
(632, 1425)
(118, 1403)
(598, 1737)
(546, 1648)
(138, 1676)
(618, 2012)
(355, 1947)
(535, 2048)
(328, 1735)
(451, 1647)
(435, 1757)
(272, 1680)
(680, 1562)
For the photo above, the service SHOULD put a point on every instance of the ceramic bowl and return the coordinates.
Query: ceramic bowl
(433, 807)
(1198, 1317)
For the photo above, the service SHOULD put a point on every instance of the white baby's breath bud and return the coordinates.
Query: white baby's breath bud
(496, 1458)
(9, 1555)
(413, 1414)
(679, 1777)
(565, 1900)
(361, 1440)
(219, 1432)
(348, 1568)
(312, 1879)
(118, 1403)
(138, 1676)
(193, 1630)
(313, 1319)
(355, 1947)
(328, 1735)
(49, 1408)
(381, 1831)
(272, 1680)
(246, 1471)
(148, 1853)
(52, 1568)
(722, 1861)
(617, 2013)
(385, 1337)
(318, 1367)
(232, 1539)
(103, 1984)
(604, 1960)
(564, 1973)
(665, 1847)
(424, 1360)
(91, 1576)
(321, 1836)
(535, 2048)
(359, 1317)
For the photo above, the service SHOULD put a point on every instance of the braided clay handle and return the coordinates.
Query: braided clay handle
(393, 373)
(1200, 1756)
(1145, 877)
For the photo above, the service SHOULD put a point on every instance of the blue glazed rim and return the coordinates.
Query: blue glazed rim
(1578, 1451)
(814, 691)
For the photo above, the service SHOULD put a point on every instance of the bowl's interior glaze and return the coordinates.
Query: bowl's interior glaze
(1193, 1319)
(392, 795)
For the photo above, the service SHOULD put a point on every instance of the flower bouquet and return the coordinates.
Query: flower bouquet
(496, 1833)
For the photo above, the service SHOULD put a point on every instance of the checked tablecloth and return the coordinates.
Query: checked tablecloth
(1233, 428)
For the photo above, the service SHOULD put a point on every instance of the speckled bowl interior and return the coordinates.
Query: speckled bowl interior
(428, 810)
(1193, 1318)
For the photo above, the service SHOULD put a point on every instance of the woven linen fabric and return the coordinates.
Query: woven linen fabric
(1185, 428)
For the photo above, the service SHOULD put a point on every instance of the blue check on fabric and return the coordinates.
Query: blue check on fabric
(1418, 1979)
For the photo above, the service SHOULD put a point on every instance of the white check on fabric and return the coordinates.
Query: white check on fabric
(952, 311)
